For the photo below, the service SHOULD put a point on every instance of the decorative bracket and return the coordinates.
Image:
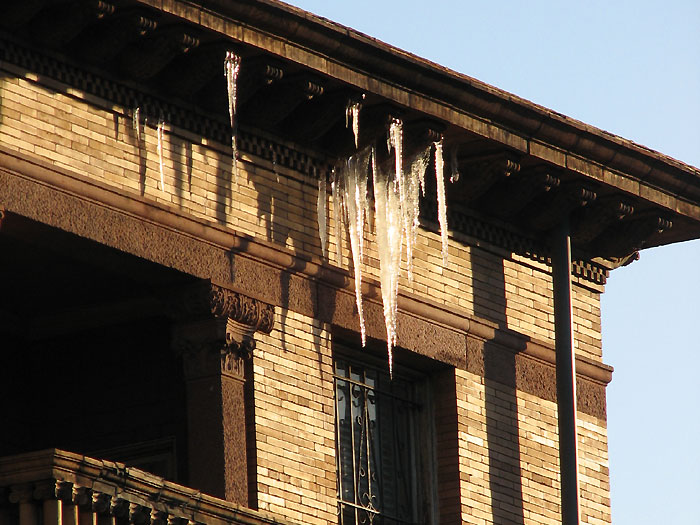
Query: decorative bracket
(568, 198)
(481, 173)
(215, 335)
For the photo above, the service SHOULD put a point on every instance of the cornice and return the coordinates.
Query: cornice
(482, 109)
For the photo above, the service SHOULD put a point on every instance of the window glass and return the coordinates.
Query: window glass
(376, 445)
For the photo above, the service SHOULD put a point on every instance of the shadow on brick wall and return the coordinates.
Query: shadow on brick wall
(501, 406)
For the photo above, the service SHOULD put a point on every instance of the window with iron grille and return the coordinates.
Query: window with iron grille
(381, 444)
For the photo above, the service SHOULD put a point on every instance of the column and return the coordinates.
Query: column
(216, 348)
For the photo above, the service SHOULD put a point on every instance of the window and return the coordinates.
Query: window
(382, 446)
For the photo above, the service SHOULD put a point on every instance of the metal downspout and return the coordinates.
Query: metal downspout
(566, 374)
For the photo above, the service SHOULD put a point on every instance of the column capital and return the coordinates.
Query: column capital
(206, 300)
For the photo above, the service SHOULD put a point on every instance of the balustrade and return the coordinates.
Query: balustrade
(54, 487)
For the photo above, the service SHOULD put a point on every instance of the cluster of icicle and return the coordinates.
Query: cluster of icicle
(232, 66)
(397, 194)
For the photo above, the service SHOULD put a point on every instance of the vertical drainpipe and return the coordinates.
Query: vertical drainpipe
(566, 374)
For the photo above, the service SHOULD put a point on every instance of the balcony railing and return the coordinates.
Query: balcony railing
(54, 487)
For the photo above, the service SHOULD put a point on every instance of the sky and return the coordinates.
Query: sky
(631, 68)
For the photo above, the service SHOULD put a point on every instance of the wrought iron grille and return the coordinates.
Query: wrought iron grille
(375, 446)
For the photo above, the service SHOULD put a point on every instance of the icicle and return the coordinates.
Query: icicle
(136, 121)
(232, 65)
(395, 141)
(355, 198)
(322, 214)
(352, 117)
(335, 193)
(442, 204)
(389, 229)
(160, 132)
(454, 165)
(415, 185)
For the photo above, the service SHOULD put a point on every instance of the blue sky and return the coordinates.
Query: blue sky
(631, 68)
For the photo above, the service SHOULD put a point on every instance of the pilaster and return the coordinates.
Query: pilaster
(215, 337)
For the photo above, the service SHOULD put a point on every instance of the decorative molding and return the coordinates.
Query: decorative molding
(154, 108)
(467, 224)
(222, 344)
(205, 300)
(42, 183)
(479, 174)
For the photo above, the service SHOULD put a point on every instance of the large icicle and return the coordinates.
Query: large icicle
(395, 142)
(355, 199)
(442, 204)
(232, 65)
(388, 218)
(352, 118)
(415, 185)
(160, 133)
(337, 205)
(322, 211)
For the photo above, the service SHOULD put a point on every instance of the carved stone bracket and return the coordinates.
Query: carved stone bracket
(481, 173)
(520, 190)
(631, 235)
(216, 331)
(205, 300)
(565, 200)
(602, 214)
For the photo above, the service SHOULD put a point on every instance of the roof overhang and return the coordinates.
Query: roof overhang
(523, 167)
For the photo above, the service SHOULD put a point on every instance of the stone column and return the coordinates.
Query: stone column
(215, 348)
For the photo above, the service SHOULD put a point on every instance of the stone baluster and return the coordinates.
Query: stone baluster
(28, 510)
(47, 492)
(102, 508)
(68, 494)
(139, 515)
(84, 502)
(4, 493)
(159, 517)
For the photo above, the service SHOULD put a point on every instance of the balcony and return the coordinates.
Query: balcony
(55, 487)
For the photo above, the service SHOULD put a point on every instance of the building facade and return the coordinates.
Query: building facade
(182, 337)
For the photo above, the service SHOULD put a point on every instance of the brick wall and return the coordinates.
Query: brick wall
(295, 424)
(502, 483)
(507, 452)
(98, 140)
